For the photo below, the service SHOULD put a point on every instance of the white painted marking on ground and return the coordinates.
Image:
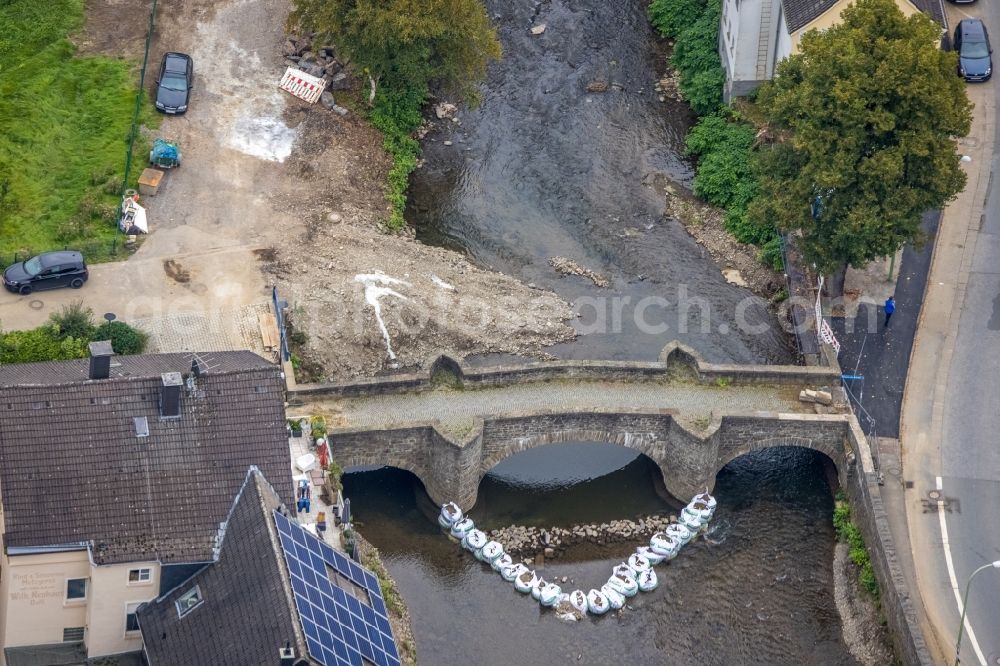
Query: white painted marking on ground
(954, 578)
(373, 292)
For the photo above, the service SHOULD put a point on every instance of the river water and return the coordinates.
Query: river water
(543, 168)
(757, 592)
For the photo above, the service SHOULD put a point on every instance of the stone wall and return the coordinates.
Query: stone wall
(451, 470)
(674, 359)
(868, 512)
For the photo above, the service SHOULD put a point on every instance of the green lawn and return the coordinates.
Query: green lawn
(64, 122)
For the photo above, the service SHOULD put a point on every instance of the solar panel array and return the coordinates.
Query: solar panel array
(340, 629)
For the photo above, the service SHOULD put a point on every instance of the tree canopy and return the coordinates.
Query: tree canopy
(407, 45)
(865, 120)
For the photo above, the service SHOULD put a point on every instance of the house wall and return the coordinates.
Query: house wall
(747, 43)
(34, 610)
(33, 606)
(111, 592)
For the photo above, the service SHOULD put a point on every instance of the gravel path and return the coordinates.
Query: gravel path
(459, 409)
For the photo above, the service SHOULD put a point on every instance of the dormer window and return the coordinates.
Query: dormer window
(188, 601)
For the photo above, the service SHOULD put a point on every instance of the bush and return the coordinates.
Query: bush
(848, 532)
(696, 59)
(671, 17)
(40, 344)
(74, 321)
(124, 339)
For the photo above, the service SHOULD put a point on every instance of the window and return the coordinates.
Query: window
(188, 601)
(72, 634)
(139, 576)
(76, 589)
(131, 619)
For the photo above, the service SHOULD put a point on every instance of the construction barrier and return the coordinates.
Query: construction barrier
(302, 85)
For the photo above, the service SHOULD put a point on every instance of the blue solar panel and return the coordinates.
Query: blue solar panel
(339, 628)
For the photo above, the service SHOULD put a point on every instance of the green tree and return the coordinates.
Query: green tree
(865, 119)
(406, 45)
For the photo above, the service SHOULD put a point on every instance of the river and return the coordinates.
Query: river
(543, 168)
(757, 592)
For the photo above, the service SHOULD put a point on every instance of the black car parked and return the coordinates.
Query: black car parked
(49, 270)
(173, 85)
(972, 43)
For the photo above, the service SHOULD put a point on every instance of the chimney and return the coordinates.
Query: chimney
(286, 655)
(100, 359)
(170, 395)
(195, 367)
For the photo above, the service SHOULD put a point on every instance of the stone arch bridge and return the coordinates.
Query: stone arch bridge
(452, 424)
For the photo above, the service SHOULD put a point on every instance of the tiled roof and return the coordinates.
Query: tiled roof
(73, 469)
(800, 13)
(247, 613)
(934, 9)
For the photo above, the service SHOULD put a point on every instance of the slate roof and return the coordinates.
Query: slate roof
(72, 468)
(934, 9)
(800, 13)
(247, 613)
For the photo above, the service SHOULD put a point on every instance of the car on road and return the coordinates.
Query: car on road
(173, 84)
(962, 2)
(972, 42)
(49, 270)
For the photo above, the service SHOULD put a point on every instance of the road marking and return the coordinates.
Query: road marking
(954, 579)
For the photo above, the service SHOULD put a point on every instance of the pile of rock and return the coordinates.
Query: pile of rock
(321, 62)
(530, 542)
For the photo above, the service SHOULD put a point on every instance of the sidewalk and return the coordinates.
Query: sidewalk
(881, 355)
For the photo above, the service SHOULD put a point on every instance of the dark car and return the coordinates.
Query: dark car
(173, 85)
(49, 270)
(972, 43)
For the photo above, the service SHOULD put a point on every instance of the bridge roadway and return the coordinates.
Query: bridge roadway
(459, 411)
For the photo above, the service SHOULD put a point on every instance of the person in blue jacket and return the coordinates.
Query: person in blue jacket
(890, 307)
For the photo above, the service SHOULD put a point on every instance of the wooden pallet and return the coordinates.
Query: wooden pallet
(269, 331)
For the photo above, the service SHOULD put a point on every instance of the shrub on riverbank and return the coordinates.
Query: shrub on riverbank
(694, 27)
(723, 147)
(62, 123)
(403, 48)
(848, 533)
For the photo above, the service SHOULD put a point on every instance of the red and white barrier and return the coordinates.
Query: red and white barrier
(302, 85)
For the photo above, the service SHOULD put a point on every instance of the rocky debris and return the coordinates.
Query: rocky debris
(733, 276)
(597, 86)
(445, 110)
(538, 29)
(530, 543)
(669, 86)
(821, 397)
(320, 62)
(705, 224)
(486, 311)
(569, 267)
(327, 100)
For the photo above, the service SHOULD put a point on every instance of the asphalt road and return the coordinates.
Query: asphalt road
(970, 446)
(966, 534)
